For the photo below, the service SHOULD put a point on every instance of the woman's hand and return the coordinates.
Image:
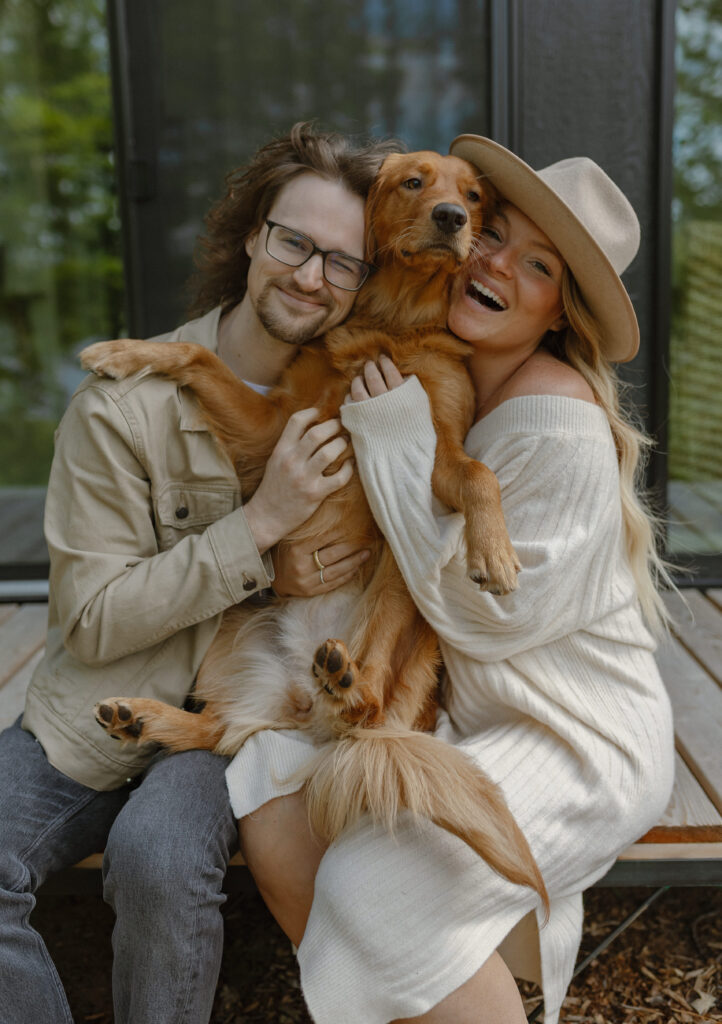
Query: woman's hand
(377, 380)
(299, 575)
(294, 484)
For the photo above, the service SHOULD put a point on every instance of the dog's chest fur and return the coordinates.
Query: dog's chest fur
(260, 672)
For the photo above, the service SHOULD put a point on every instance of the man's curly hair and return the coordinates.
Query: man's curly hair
(222, 262)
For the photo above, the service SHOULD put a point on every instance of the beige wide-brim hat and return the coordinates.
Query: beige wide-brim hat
(589, 220)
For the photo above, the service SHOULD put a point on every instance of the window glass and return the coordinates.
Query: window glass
(60, 263)
(695, 434)
(216, 80)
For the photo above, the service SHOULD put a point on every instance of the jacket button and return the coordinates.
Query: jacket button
(249, 583)
(181, 512)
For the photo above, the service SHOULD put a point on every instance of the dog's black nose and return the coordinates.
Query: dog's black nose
(449, 217)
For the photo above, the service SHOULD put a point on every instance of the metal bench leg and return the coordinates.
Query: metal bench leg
(606, 942)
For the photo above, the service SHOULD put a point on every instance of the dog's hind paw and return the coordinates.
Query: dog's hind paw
(119, 719)
(334, 670)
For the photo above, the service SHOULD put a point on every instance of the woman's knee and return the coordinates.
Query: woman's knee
(283, 856)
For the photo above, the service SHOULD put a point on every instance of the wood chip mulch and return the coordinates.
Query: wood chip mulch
(667, 967)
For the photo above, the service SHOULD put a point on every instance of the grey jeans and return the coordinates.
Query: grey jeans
(167, 838)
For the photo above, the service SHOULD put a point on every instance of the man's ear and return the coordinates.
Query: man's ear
(251, 242)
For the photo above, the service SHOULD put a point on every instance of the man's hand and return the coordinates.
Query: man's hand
(377, 380)
(294, 484)
(298, 574)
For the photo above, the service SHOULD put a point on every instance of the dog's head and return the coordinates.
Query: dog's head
(424, 209)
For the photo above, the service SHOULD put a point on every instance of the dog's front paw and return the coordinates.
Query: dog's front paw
(119, 719)
(110, 358)
(496, 571)
(334, 670)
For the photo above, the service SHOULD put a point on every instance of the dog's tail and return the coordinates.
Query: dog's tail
(384, 770)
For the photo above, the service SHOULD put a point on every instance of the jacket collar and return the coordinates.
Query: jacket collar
(203, 331)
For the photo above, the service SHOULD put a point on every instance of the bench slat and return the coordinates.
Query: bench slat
(673, 851)
(689, 807)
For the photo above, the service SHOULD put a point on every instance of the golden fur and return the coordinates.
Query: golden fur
(367, 698)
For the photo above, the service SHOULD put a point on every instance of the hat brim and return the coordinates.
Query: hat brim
(600, 285)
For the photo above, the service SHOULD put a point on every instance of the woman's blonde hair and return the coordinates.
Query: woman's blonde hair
(579, 345)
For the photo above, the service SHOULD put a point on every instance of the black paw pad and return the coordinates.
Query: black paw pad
(135, 729)
(345, 680)
(321, 655)
(335, 661)
(124, 712)
(106, 712)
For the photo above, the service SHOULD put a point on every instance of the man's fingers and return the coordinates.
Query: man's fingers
(327, 454)
(334, 553)
(298, 423)
(339, 479)
(344, 567)
(333, 584)
(318, 435)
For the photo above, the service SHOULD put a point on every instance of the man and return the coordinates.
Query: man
(149, 544)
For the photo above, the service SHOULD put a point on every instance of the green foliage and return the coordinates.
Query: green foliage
(61, 273)
(695, 347)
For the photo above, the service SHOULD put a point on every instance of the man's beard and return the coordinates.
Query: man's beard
(282, 325)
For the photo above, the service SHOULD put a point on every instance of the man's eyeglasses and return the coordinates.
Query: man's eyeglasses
(294, 249)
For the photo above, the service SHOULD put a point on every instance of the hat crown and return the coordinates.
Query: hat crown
(599, 205)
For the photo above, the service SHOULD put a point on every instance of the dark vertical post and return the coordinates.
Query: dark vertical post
(661, 312)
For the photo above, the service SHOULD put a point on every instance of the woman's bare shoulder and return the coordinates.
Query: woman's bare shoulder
(542, 374)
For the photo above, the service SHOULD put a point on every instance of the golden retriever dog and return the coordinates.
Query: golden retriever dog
(357, 667)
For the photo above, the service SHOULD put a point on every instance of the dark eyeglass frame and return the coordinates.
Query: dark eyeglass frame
(366, 268)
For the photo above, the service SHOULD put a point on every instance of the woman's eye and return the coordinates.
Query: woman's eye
(541, 267)
(412, 183)
(490, 232)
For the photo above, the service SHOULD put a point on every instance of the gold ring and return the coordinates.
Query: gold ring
(320, 573)
(319, 564)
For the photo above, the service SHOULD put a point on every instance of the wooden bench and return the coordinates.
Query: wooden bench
(685, 848)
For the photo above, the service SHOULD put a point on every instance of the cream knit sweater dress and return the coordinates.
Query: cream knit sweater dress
(553, 690)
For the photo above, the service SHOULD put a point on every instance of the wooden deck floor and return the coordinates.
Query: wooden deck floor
(690, 663)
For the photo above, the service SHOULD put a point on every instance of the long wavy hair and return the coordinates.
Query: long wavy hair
(221, 259)
(579, 345)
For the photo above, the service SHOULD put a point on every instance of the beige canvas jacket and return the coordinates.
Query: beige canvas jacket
(148, 546)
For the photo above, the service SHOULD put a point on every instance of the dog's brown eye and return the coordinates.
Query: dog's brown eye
(412, 183)
(473, 197)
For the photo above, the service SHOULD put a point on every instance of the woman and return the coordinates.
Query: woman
(552, 689)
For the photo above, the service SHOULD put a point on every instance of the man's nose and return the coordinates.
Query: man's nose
(309, 276)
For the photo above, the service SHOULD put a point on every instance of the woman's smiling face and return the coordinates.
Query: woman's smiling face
(510, 295)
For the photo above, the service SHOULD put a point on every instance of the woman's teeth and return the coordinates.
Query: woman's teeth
(486, 296)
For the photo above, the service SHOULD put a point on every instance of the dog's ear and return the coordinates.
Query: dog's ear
(382, 184)
(490, 198)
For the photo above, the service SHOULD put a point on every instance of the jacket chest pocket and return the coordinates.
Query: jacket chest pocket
(181, 510)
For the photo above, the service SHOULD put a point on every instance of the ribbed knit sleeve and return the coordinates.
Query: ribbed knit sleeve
(557, 468)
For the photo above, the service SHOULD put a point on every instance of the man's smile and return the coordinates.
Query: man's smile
(304, 301)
